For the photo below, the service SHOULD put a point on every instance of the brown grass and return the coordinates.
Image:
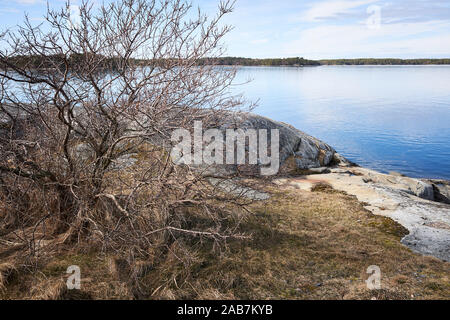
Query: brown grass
(306, 245)
(7, 272)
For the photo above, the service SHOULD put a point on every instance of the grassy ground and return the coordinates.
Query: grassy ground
(305, 245)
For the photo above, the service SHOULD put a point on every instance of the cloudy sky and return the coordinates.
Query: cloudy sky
(313, 29)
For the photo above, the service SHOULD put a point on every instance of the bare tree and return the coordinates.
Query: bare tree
(83, 104)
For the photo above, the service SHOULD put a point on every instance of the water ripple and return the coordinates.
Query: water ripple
(389, 119)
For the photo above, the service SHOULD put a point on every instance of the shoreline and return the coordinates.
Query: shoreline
(410, 202)
(337, 65)
(421, 206)
(300, 61)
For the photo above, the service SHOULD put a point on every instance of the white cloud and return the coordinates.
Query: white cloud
(330, 9)
(28, 1)
(259, 41)
(8, 10)
(37, 19)
(333, 41)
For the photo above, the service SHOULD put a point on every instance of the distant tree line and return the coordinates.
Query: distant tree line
(305, 62)
(232, 61)
(384, 61)
(58, 61)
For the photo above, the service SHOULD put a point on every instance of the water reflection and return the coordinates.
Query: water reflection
(383, 117)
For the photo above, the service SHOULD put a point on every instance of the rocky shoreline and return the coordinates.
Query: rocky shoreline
(398, 198)
(420, 205)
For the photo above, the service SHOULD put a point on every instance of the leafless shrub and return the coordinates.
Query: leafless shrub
(82, 108)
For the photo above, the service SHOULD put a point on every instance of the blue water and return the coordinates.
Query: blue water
(388, 118)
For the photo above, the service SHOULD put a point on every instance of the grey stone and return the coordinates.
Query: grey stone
(321, 170)
(441, 190)
(421, 189)
(307, 151)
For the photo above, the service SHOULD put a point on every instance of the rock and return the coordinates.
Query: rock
(441, 190)
(397, 174)
(306, 151)
(86, 154)
(321, 170)
(442, 193)
(412, 186)
(343, 162)
(296, 147)
(399, 198)
(419, 188)
(429, 241)
(297, 150)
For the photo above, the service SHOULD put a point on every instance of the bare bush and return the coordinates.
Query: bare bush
(83, 106)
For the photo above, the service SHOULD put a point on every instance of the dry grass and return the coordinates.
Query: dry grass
(305, 245)
(318, 246)
(7, 272)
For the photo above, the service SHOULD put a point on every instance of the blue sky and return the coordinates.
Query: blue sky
(313, 29)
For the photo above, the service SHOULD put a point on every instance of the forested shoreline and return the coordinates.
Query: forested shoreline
(297, 61)
(305, 62)
(60, 61)
(386, 61)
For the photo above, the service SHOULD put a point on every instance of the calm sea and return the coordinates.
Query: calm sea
(388, 118)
